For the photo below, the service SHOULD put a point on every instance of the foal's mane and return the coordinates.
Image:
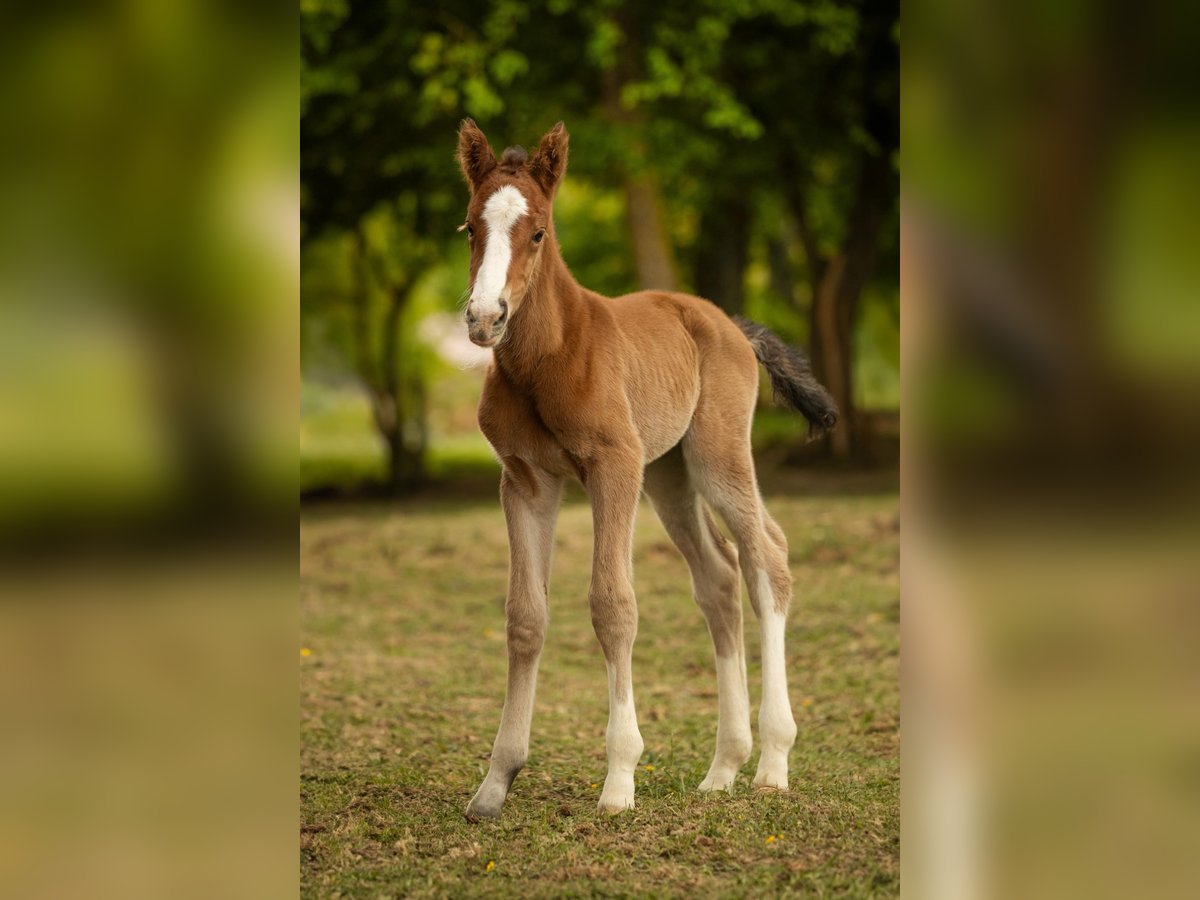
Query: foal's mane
(514, 158)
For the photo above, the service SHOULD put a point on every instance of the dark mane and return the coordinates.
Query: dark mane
(514, 157)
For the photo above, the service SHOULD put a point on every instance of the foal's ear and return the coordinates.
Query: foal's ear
(475, 156)
(550, 161)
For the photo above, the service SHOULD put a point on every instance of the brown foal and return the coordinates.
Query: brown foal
(652, 391)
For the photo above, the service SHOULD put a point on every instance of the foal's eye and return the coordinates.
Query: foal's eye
(537, 238)
(470, 232)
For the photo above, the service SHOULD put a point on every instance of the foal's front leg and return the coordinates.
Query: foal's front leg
(614, 488)
(530, 500)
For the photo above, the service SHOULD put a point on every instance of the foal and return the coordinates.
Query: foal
(653, 391)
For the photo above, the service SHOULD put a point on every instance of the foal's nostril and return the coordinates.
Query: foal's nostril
(503, 312)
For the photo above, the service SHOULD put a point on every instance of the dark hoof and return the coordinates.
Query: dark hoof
(477, 810)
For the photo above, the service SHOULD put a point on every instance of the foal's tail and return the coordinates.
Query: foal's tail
(791, 377)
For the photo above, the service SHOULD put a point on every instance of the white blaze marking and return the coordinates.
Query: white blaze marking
(502, 210)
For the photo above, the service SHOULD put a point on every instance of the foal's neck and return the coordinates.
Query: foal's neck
(547, 321)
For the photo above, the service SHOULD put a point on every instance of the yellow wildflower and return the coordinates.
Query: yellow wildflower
(491, 865)
(649, 768)
(770, 839)
(595, 784)
(806, 702)
(304, 651)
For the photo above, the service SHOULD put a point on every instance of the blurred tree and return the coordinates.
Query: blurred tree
(382, 91)
(798, 100)
(722, 126)
(622, 67)
(857, 121)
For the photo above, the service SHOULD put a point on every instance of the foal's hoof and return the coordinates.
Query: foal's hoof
(719, 780)
(712, 785)
(772, 772)
(768, 784)
(484, 807)
(612, 807)
(477, 811)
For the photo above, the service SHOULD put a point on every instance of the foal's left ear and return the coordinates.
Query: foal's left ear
(550, 161)
(475, 155)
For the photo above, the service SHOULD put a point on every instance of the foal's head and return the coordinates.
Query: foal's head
(508, 220)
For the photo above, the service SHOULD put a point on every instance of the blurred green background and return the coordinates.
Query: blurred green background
(745, 152)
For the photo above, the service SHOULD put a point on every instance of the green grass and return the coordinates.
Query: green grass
(402, 609)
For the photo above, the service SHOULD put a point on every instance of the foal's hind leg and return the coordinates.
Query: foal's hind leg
(724, 471)
(713, 564)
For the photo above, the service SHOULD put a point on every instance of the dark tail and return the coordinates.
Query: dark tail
(791, 377)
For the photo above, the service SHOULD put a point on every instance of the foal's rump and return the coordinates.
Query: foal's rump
(686, 353)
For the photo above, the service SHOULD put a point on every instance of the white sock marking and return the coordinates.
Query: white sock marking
(624, 744)
(734, 741)
(776, 727)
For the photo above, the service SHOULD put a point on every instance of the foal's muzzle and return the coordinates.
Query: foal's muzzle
(486, 330)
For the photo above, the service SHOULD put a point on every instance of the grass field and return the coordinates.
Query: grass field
(402, 679)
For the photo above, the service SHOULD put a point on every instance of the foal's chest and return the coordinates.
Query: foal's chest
(513, 425)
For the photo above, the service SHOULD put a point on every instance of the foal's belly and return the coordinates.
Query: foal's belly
(660, 436)
(661, 367)
(662, 398)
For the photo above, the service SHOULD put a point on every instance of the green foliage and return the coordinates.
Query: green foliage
(756, 97)
(590, 220)
(721, 82)
(878, 351)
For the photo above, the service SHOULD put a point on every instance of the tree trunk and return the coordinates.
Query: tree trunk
(832, 351)
(779, 271)
(401, 426)
(792, 176)
(838, 278)
(652, 256)
(651, 252)
(406, 466)
(838, 283)
(722, 250)
(854, 271)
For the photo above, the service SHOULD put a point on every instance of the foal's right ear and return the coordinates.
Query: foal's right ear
(550, 162)
(475, 156)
